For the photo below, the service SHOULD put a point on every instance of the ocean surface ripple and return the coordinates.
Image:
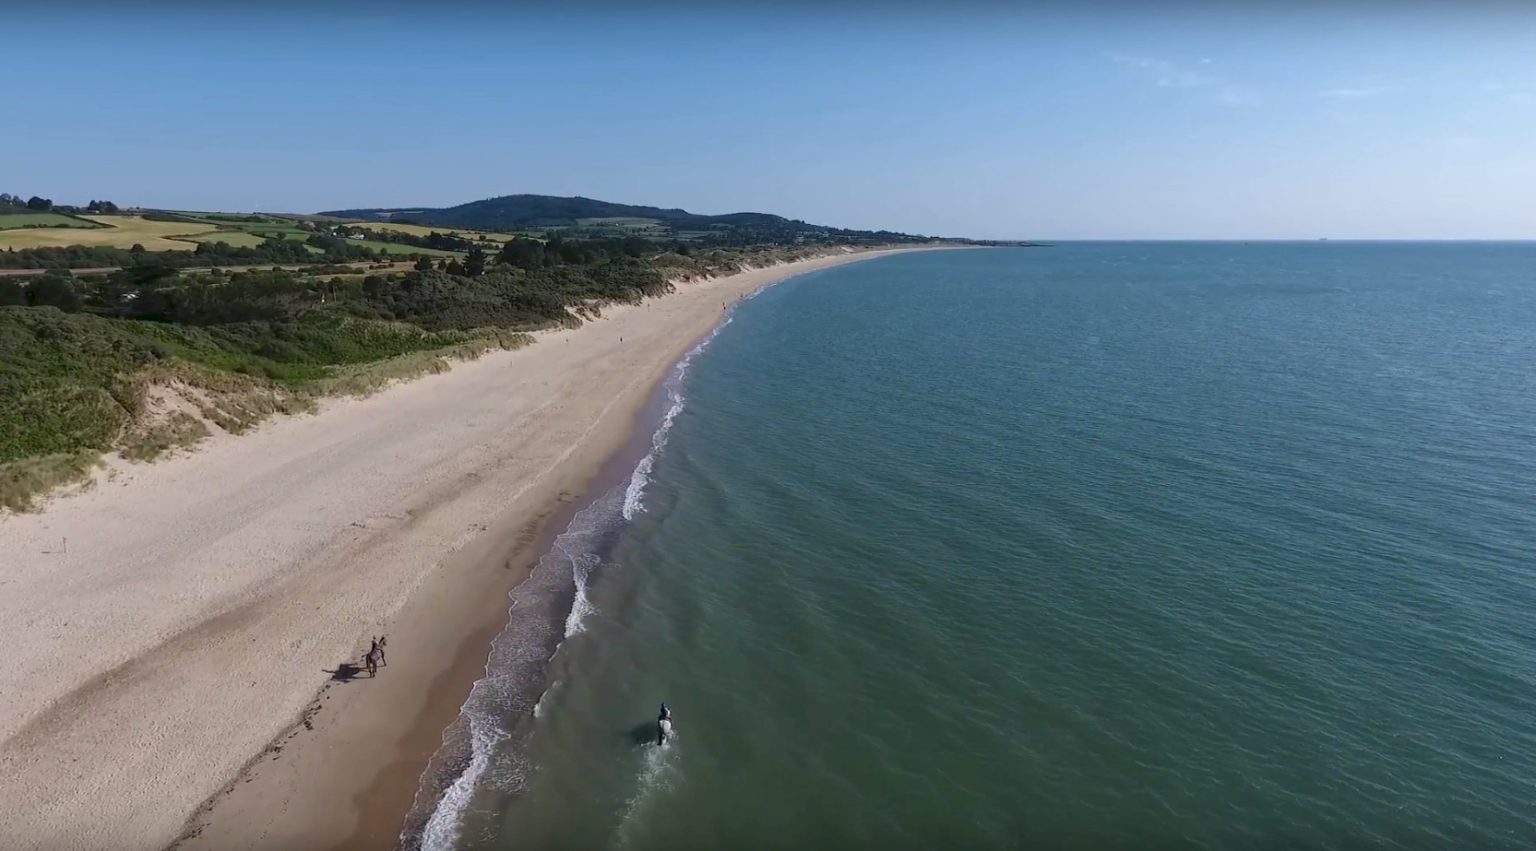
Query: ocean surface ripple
(1097, 546)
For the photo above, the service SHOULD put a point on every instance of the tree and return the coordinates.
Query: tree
(12, 293)
(54, 290)
(442, 265)
(455, 267)
(423, 263)
(474, 261)
(523, 253)
(552, 247)
(36, 203)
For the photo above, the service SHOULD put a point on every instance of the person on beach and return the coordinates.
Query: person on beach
(371, 662)
(376, 650)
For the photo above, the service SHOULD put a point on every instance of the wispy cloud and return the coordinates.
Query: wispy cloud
(1170, 75)
(1355, 92)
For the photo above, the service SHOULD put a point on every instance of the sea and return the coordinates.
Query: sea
(1089, 546)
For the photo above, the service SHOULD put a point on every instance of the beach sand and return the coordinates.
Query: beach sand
(172, 635)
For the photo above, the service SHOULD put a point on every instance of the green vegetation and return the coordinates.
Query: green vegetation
(250, 314)
(9, 221)
(150, 358)
(422, 230)
(21, 481)
(112, 231)
(401, 248)
(237, 239)
(315, 248)
(589, 218)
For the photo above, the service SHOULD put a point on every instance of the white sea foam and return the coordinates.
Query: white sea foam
(503, 700)
(582, 565)
(641, 477)
(658, 767)
(538, 705)
(442, 830)
(572, 559)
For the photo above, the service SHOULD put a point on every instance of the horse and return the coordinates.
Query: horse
(663, 726)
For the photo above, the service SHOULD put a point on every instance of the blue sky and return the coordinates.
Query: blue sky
(1370, 121)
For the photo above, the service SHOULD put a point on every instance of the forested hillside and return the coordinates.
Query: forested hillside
(589, 217)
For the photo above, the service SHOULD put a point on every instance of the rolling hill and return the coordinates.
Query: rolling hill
(588, 216)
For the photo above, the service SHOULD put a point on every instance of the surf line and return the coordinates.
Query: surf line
(480, 736)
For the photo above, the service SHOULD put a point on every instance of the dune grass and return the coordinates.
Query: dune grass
(23, 481)
(74, 385)
(368, 378)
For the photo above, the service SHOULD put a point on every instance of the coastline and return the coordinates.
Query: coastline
(201, 605)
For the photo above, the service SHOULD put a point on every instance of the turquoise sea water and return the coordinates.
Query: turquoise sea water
(1095, 546)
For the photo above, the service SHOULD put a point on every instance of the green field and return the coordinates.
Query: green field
(231, 221)
(42, 220)
(55, 230)
(239, 239)
(626, 222)
(422, 230)
(116, 232)
(397, 248)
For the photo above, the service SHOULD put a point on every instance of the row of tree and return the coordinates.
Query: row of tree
(39, 204)
(283, 252)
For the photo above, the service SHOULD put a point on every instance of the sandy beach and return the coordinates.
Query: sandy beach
(174, 634)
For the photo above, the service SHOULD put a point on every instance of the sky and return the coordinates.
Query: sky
(1236, 121)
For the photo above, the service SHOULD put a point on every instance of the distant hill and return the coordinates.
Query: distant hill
(590, 217)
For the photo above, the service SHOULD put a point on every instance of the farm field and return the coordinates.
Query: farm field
(239, 239)
(116, 232)
(397, 248)
(41, 220)
(625, 222)
(232, 221)
(200, 227)
(423, 230)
